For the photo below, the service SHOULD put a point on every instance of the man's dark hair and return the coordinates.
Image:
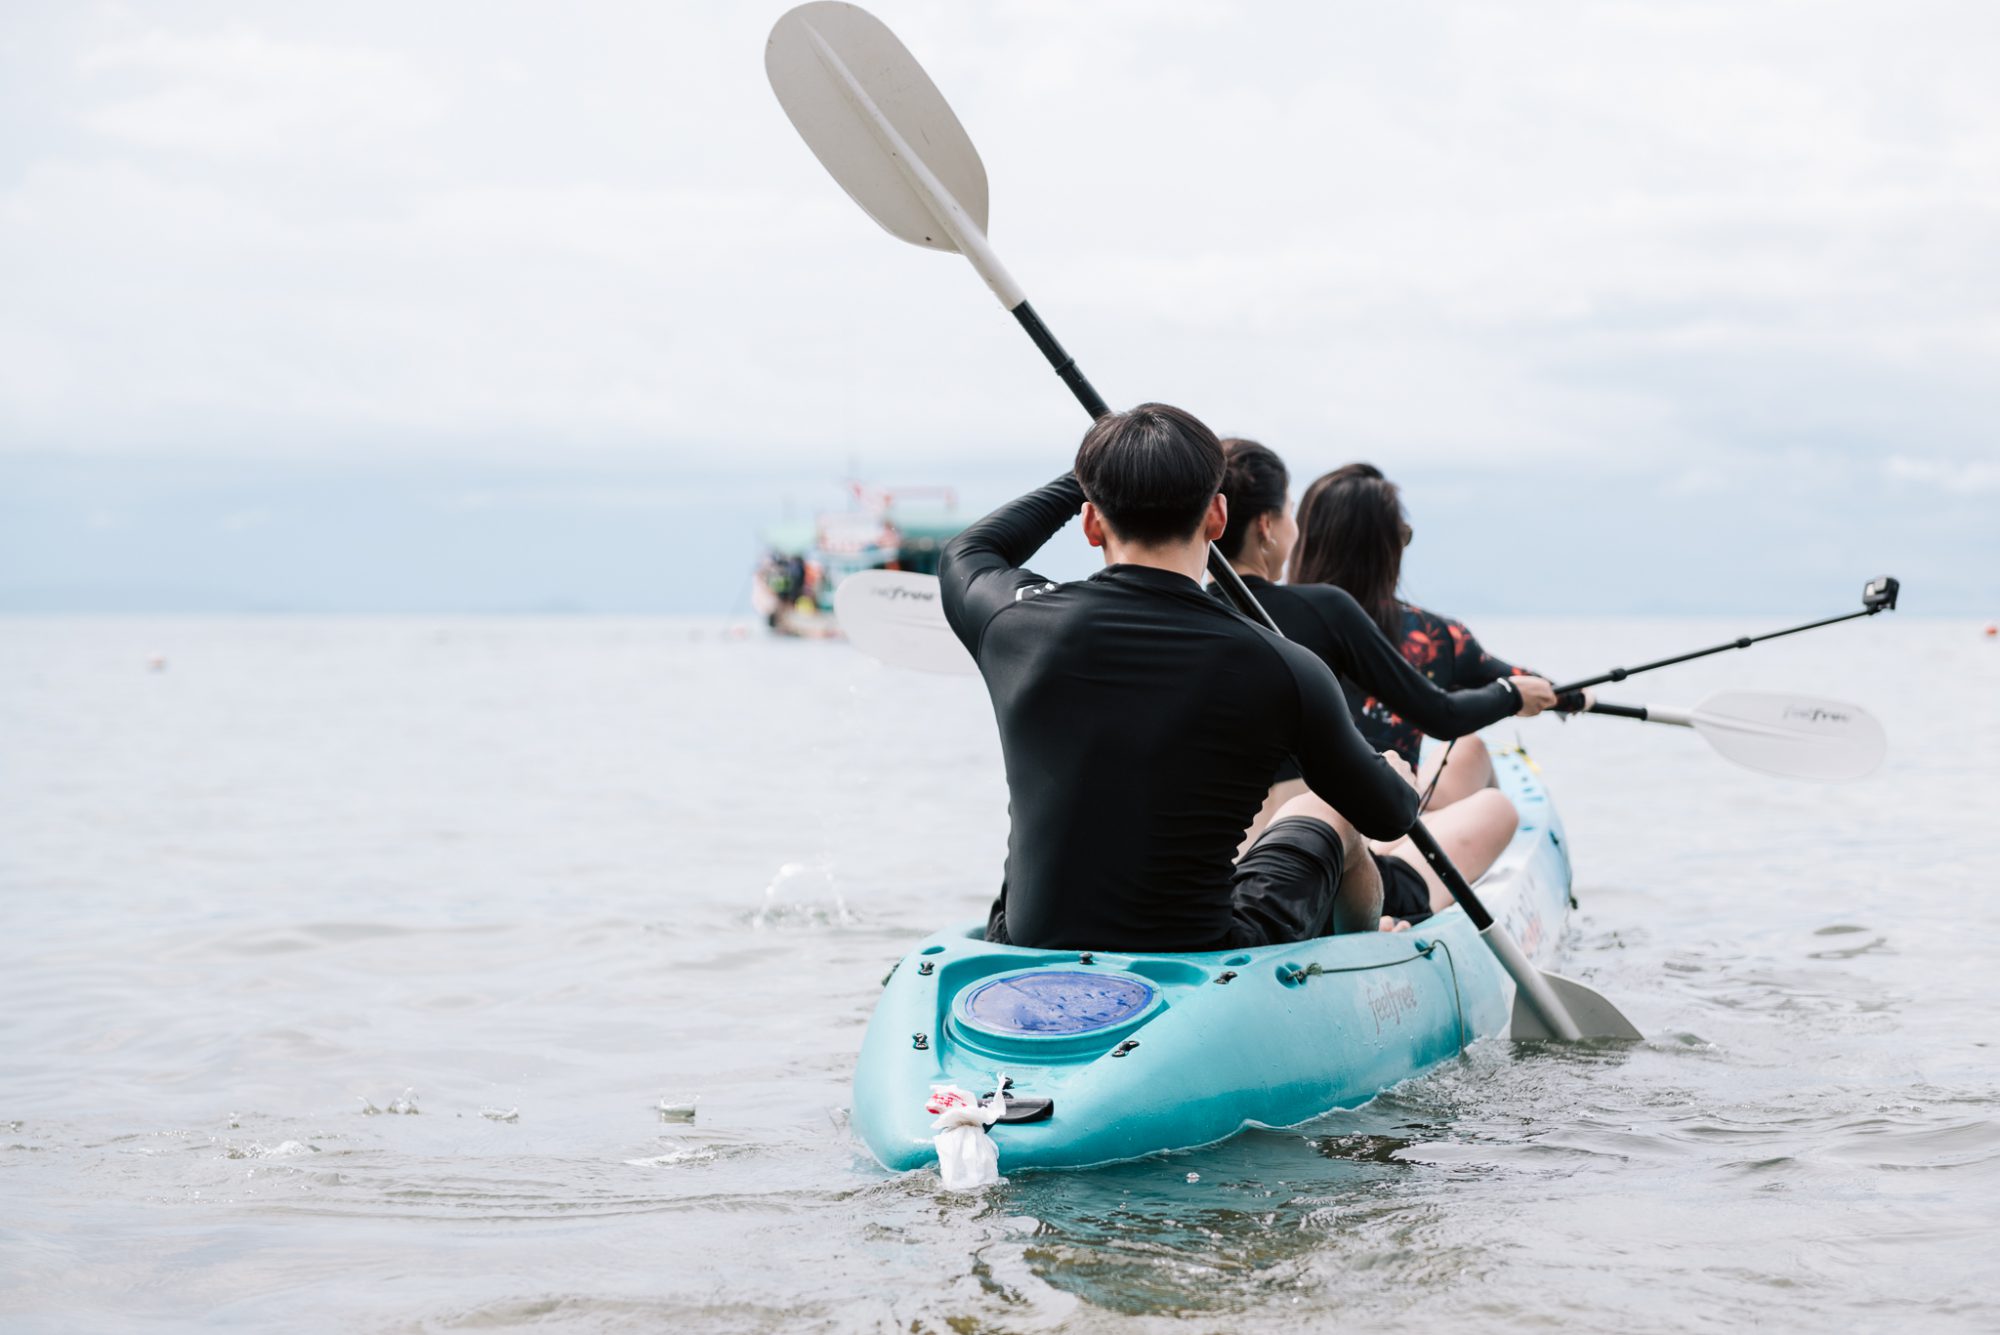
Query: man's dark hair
(1150, 472)
(1254, 483)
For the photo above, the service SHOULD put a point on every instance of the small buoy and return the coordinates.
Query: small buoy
(1992, 630)
(158, 662)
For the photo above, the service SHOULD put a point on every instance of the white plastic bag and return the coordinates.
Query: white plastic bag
(967, 1156)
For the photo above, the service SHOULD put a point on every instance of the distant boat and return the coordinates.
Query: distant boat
(904, 528)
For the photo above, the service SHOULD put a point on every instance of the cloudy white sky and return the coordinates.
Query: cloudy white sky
(468, 305)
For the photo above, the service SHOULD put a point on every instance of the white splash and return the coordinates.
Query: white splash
(284, 1149)
(403, 1105)
(803, 894)
(675, 1154)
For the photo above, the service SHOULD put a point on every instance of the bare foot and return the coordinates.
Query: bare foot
(1394, 925)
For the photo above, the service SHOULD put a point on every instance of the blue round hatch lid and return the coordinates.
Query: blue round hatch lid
(1056, 1001)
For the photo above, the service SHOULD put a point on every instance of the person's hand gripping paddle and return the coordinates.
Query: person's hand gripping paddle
(879, 125)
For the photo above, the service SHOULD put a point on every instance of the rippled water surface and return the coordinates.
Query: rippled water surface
(361, 975)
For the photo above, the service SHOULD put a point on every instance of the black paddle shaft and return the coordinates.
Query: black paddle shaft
(1246, 602)
(1460, 891)
(1066, 367)
(1878, 596)
(1093, 403)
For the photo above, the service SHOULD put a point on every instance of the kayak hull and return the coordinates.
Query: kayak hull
(1272, 1036)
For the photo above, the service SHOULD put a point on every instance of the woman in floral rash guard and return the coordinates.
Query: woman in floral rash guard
(1352, 532)
(1444, 651)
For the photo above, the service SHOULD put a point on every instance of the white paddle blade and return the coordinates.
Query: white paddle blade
(1799, 736)
(894, 617)
(1593, 1013)
(868, 111)
(1548, 1005)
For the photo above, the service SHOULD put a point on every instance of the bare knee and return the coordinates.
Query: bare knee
(1473, 833)
(1468, 770)
(1490, 809)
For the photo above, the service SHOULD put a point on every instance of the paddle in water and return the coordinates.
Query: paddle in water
(879, 125)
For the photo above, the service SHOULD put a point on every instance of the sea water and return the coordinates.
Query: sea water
(434, 975)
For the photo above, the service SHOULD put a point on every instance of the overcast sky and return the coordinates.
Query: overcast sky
(468, 305)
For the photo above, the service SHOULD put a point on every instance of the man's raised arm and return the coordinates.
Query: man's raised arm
(981, 569)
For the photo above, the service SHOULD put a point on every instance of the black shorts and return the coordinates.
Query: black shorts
(1284, 885)
(1404, 893)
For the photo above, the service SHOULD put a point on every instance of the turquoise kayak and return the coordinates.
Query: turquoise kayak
(1109, 1056)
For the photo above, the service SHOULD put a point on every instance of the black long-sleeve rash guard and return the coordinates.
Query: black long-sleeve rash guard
(1326, 619)
(1141, 722)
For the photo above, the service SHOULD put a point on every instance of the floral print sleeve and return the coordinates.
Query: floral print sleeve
(1471, 664)
(1444, 651)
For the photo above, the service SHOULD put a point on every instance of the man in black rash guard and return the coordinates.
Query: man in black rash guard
(1141, 721)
